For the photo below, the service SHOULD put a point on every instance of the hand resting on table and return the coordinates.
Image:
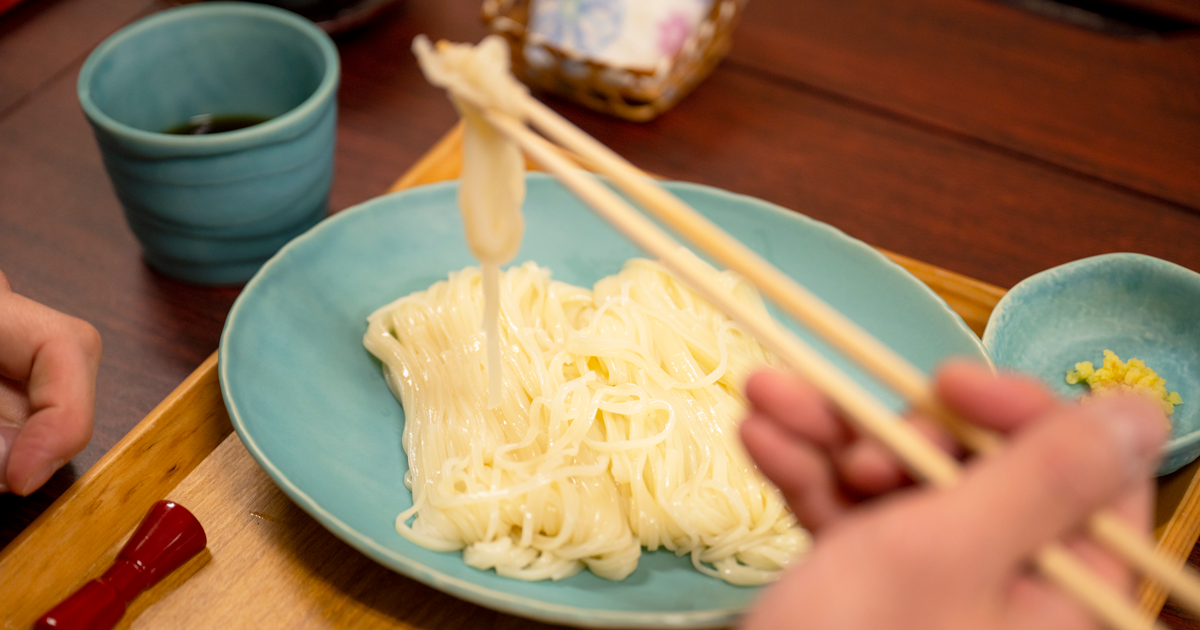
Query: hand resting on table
(892, 555)
(48, 364)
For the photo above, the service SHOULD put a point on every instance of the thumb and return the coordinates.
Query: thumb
(1055, 474)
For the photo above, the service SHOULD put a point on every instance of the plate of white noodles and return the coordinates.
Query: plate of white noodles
(604, 486)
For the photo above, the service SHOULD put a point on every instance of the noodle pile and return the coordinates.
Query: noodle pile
(616, 427)
(550, 428)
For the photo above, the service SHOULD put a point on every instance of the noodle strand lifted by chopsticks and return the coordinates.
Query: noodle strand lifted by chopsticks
(493, 177)
(616, 427)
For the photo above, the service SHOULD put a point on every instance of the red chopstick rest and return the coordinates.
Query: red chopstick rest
(168, 537)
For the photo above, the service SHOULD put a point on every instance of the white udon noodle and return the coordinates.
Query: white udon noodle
(617, 427)
(493, 173)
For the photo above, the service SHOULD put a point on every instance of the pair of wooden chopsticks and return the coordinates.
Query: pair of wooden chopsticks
(922, 458)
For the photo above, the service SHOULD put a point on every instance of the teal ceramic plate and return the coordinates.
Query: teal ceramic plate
(311, 406)
(1135, 305)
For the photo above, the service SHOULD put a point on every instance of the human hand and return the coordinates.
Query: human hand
(48, 364)
(892, 555)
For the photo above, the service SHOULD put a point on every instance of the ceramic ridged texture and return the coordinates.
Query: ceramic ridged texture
(213, 208)
(312, 407)
(1135, 305)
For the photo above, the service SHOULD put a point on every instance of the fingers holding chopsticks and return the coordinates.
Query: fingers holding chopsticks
(1062, 462)
(970, 543)
(820, 462)
(788, 433)
(1126, 431)
(1131, 425)
(967, 387)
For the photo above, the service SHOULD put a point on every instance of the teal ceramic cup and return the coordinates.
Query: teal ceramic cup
(210, 209)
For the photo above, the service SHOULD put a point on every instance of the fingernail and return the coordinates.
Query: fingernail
(41, 476)
(1139, 428)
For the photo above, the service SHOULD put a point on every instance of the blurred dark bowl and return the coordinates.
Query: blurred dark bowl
(333, 16)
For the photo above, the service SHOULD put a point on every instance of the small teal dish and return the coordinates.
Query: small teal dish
(311, 406)
(211, 209)
(1135, 305)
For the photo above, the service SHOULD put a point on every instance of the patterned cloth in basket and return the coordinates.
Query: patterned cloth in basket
(633, 34)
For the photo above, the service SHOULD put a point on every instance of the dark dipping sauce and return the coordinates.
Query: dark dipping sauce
(205, 124)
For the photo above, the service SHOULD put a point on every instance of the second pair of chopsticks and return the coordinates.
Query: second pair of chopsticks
(923, 459)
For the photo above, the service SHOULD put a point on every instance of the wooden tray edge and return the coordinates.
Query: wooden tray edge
(110, 499)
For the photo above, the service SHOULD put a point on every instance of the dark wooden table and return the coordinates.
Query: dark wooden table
(965, 133)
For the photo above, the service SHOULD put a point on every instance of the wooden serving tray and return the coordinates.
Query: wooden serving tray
(268, 564)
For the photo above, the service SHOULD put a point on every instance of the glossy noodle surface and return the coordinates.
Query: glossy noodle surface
(616, 429)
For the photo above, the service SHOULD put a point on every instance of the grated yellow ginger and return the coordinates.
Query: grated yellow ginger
(1117, 375)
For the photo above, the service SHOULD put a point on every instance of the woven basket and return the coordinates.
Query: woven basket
(630, 94)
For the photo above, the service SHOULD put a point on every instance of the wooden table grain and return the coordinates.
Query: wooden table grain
(963, 133)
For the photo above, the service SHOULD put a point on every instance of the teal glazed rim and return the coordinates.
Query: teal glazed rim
(1043, 307)
(276, 128)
